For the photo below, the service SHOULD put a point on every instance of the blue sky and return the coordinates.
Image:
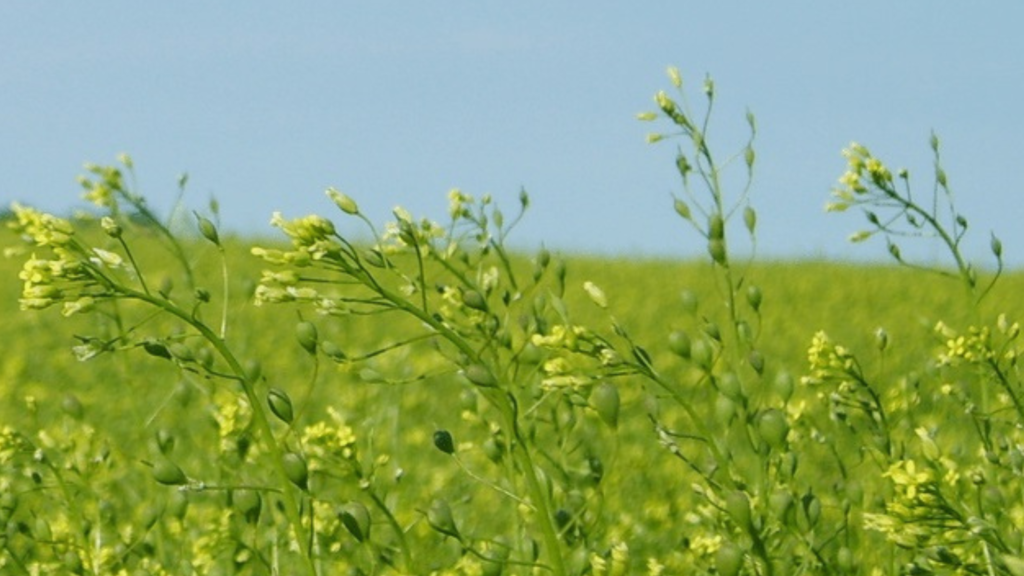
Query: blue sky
(265, 104)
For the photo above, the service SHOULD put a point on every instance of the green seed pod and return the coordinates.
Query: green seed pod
(682, 208)
(754, 297)
(296, 470)
(711, 329)
(729, 385)
(72, 406)
(716, 227)
(881, 339)
(249, 503)
(679, 343)
(845, 560)
(784, 385)
(737, 504)
(716, 248)
(773, 427)
(439, 516)
(164, 441)
(181, 352)
(253, 370)
(997, 247)
(443, 441)
(756, 360)
(780, 503)
(207, 229)
(371, 376)
(479, 374)
(604, 399)
(374, 258)
(167, 472)
(493, 449)
(729, 559)
(690, 301)
(725, 408)
(306, 334)
(205, 357)
(280, 404)
(178, 505)
(702, 353)
(749, 215)
(356, 519)
(333, 351)
(475, 300)
(812, 509)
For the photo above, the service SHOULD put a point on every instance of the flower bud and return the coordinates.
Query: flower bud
(280, 404)
(343, 201)
(356, 519)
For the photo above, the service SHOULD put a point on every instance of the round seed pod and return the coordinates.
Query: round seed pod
(164, 441)
(249, 503)
(716, 248)
(479, 374)
(682, 208)
(737, 504)
(679, 343)
(443, 441)
(493, 449)
(749, 214)
(604, 399)
(178, 505)
(701, 353)
(716, 227)
(333, 351)
(181, 351)
(280, 404)
(725, 408)
(756, 360)
(780, 503)
(439, 516)
(356, 519)
(72, 406)
(773, 427)
(253, 370)
(296, 470)
(712, 330)
(754, 297)
(729, 385)
(306, 334)
(207, 229)
(168, 473)
(475, 300)
(690, 301)
(784, 385)
(729, 559)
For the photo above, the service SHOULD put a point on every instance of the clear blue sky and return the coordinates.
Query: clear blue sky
(265, 104)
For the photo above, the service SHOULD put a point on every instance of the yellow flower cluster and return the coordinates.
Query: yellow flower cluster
(861, 168)
(974, 346)
(825, 359)
(325, 443)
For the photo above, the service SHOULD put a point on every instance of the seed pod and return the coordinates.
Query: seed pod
(690, 301)
(72, 406)
(604, 399)
(881, 339)
(164, 441)
(493, 449)
(296, 470)
(756, 360)
(749, 215)
(207, 229)
(725, 408)
(439, 516)
(356, 519)
(784, 385)
(280, 404)
(253, 370)
(306, 334)
(780, 503)
(475, 300)
(716, 227)
(443, 441)
(997, 247)
(711, 329)
(249, 503)
(333, 351)
(167, 472)
(729, 385)
(479, 374)
(702, 353)
(181, 352)
(156, 348)
(178, 505)
(682, 208)
(754, 297)
(729, 559)
(738, 506)
(679, 343)
(773, 427)
(716, 248)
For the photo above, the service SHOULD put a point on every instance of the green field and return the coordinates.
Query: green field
(621, 487)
